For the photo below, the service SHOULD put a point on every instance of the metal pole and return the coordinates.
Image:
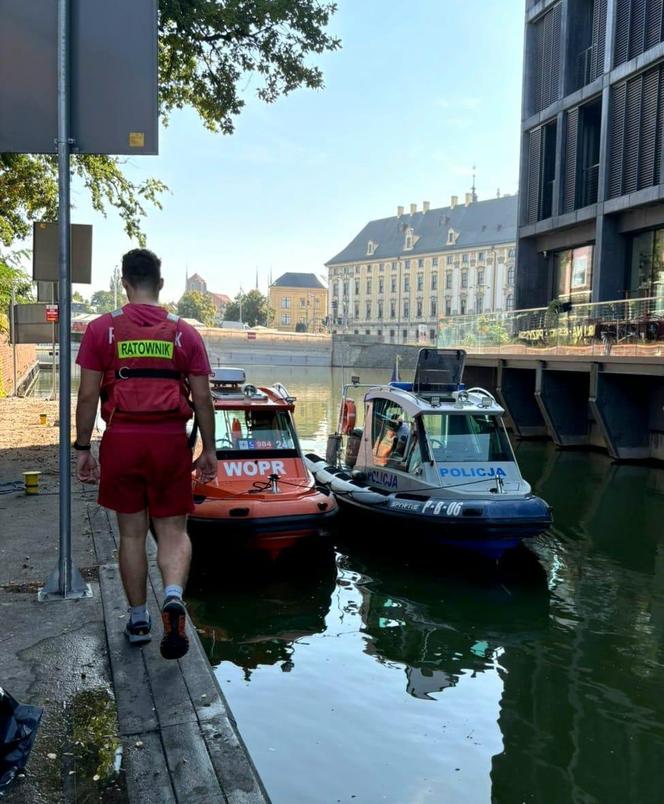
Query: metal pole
(66, 581)
(53, 361)
(13, 330)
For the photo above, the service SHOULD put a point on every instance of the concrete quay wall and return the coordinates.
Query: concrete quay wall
(359, 351)
(613, 402)
(266, 348)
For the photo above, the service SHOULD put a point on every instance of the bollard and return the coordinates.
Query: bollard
(43, 419)
(31, 480)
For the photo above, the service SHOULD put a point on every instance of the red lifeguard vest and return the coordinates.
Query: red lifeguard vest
(145, 381)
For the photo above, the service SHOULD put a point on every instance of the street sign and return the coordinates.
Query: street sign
(52, 313)
(30, 324)
(114, 104)
(45, 252)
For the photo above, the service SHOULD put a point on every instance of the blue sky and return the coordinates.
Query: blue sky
(419, 92)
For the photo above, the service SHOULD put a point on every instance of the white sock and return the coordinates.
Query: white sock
(139, 614)
(173, 590)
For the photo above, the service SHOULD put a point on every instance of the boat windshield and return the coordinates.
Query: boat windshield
(254, 429)
(461, 437)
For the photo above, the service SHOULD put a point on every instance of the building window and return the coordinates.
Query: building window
(392, 266)
(432, 335)
(448, 306)
(356, 332)
(357, 285)
(449, 259)
(465, 259)
(368, 311)
(368, 284)
(434, 281)
(285, 319)
(587, 45)
(462, 306)
(509, 302)
(406, 283)
(433, 307)
(420, 263)
(540, 172)
(356, 310)
(380, 311)
(573, 274)
(367, 332)
(510, 276)
(451, 237)
(480, 256)
(646, 266)
(391, 334)
(381, 267)
(285, 302)
(448, 280)
(405, 335)
(581, 156)
(303, 301)
(479, 304)
(369, 268)
(381, 284)
(371, 247)
(393, 309)
(419, 308)
(420, 282)
(345, 287)
(480, 277)
(408, 245)
(464, 279)
(512, 253)
(434, 262)
(393, 284)
(406, 309)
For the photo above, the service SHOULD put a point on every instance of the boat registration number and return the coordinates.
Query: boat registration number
(431, 507)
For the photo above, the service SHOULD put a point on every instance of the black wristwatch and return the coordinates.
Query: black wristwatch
(80, 447)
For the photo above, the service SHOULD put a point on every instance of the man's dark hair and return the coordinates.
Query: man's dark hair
(142, 269)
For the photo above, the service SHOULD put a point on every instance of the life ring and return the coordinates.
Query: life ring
(348, 416)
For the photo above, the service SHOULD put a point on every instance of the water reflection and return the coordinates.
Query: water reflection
(444, 624)
(258, 614)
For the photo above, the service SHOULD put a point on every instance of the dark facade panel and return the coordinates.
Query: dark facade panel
(534, 170)
(571, 140)
(545, 84)
(639, 26)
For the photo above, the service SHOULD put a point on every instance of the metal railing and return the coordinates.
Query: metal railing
(624, 327)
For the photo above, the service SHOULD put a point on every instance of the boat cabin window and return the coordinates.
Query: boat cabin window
(395, 437)
(253, 429)
(459, 437)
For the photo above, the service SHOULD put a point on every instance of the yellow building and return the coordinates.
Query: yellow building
(298, 303)
(401, 276)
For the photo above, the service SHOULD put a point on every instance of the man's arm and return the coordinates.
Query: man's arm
(206, 464)
(86, 412)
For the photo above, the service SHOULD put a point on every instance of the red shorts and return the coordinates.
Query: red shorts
(145, 468)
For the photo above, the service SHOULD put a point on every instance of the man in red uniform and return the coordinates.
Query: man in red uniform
(144, 363)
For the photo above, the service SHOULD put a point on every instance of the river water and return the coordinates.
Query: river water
(361, 675)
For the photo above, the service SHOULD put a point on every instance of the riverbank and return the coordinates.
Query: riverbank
(166, 726)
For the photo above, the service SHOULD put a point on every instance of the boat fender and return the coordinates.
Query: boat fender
(348, 416)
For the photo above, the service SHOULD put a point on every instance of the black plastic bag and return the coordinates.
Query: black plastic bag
(18, 729)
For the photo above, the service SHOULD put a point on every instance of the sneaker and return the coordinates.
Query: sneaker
(139, 632)
(174, 643)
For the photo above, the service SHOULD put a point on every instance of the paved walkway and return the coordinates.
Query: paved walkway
(179, 739)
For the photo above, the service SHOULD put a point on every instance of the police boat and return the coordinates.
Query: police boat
(264, 493)
(432, 457)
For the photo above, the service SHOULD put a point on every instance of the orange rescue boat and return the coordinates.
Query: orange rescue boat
(263, 488)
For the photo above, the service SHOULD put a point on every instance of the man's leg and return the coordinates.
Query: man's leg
(132, 558)
(174, 550)
(174, 558)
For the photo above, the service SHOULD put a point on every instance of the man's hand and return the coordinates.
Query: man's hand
(206, 466)
(87, 468)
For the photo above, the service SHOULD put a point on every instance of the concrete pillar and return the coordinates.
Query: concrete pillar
(515, 389)
(620, 404)
(562, 397)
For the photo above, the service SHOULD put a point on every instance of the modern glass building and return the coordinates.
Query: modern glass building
(591, 200)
